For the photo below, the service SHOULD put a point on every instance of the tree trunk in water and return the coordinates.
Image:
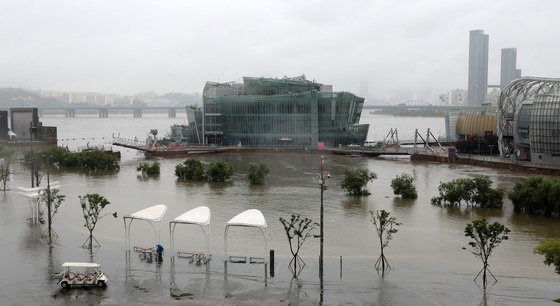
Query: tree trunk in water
(90, 240)
(49, 218)
(382, 261)
(484, 275)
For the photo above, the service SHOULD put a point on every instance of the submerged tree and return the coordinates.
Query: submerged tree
(355, 181)
(385, 226)
(475, 192)
(6, 155)
(257, 173)
(486, 237)
(297, 230)
(191, 169)
(219, 171)
(149, 169)
(550, 248)
(403, 185)
(53, 200)
(92, 204)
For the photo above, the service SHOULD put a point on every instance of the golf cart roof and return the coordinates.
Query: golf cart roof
(81, 264)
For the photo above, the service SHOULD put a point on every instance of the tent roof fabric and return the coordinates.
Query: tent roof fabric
(152, 213)
(199, 215)
(250, 217)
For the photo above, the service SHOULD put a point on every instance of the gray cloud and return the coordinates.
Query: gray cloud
(127, 47)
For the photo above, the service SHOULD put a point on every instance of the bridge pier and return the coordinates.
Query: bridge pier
(137, 113)
(103, 113)
(70, 113)
(172, 113)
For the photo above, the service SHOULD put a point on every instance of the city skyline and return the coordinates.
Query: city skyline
(404, 48)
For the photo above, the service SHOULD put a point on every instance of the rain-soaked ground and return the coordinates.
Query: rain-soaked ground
(429, 264)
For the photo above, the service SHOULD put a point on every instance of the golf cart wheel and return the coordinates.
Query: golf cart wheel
(64, 285)
(101, 284)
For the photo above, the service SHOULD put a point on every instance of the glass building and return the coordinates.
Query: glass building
(478, 67)
(289, 112)
(536, 130)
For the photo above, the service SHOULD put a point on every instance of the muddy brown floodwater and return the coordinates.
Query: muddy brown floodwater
(429, 264)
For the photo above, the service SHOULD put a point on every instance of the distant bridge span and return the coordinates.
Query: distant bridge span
(442, 107)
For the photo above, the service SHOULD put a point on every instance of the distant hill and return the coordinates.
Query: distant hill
(17, 97)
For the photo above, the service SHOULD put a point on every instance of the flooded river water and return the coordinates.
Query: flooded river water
(429, 264)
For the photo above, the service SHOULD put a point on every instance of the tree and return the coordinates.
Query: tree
(219, 171)
(355, 181)
(98, 160)
(92, 204)
(403, 185)
(475, 192)
(149, 169)
(6, 154)
(537, 195)
(385, 226)
(486, 237)
(53, 200)
(550, 248)
(297, 230)
(191, 169)
(257, 173)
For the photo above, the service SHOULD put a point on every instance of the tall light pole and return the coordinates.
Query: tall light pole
(322, 182)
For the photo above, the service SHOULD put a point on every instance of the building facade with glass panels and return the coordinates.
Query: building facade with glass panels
(288, 112)
(544, 131)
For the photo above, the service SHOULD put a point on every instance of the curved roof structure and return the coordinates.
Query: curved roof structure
(511, 98)
(198, 216)
(152, 214)
(249, 218)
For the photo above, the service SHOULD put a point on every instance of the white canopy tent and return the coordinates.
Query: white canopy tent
(32, 195)
(152, 214)
(198, 216)
(248, 218)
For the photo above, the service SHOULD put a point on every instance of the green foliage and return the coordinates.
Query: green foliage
(355, 181)
(6, 152)
(257, 173)
(550, 248)
(403, 185)
(219, 171)
(191, 169)
(475, 192)
(149, 169)
(297, 230)
(485, 238)
(385, 226)
(98, 160)
(92, 204)
(91, 160)
(537, 195)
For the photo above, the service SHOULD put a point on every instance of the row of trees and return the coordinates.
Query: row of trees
(355, 183)
(217, 171)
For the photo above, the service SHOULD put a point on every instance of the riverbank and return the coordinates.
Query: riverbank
(490, 162)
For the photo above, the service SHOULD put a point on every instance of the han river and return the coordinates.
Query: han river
(429, 263)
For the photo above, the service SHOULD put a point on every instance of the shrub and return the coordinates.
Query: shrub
(537, 195)
(257, 173)
(191, 169)
(403, 185)
(355, 181)
(149, 169)
(550, 248)
(98, 160)
(219, 171)
(474, 192)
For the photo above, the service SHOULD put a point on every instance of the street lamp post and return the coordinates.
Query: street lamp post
(322, 182)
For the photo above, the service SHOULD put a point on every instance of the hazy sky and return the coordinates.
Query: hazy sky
(127, 47)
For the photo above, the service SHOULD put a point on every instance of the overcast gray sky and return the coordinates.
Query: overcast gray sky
(127, 47)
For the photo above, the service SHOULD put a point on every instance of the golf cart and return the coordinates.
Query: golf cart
(81, 274)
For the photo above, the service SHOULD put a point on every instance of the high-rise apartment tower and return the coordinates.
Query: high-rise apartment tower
(478, 67)
(509, 71)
